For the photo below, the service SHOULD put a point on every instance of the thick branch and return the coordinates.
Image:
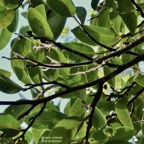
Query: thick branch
(121, 51)
(76, 88)
(93, 105)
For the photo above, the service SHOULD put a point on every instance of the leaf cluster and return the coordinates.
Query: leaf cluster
(98, 72)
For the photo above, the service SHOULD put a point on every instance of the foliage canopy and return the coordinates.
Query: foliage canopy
(98, 72)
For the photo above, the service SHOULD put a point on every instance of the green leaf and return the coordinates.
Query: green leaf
(123, 133)
(5, 36)
(42, 10)
(20, 70)
(48, 119)
(16, 111)
(37, 134)
(34, 72)
(99, 119)
(5, 73)
(81, 14)
(22, 46)
(77, 108)
(14, 24)
(39, 24)
(108, 70)
(123, 7)
(104, 19)
(116, 20)
(56, 23)
(94, 4)
(123, 113)
(98, 137)
(140, 80)
(65, 130)
(92, 73)
(35, 3)
(23, 142)
(118, 142)
(142, 140)
(57, 55)
(9, 125)
(10, 4)
(80, 48)
(8, 86)
(100, 34)
(117, 61)
(2, 7)
(62, 7)
(130, 19)
(6, 18)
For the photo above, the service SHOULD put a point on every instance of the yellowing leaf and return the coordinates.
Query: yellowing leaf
(6, 18)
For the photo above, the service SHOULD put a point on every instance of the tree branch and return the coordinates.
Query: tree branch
(76, 88)
(92, 106)
(138, 8)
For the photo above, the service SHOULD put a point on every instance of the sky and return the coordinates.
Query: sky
(5, 64)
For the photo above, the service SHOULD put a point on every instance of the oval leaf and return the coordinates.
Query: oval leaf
(6, 18)
(62, 7)
(39, 24)
(140, 80)
(123, 113)
(99, 119)
(9, 125)
(65, 130)
(5, 36)
(8, 86)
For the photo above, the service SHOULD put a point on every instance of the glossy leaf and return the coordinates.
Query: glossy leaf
(56, 23)
(35, 3)
(9, 125)
(81, 14)
(5, 36)
(10, 4)
(77, 108)
(94, 4)
(124, 133)
(98, 137)
(116, 20)
(99, 119)
(34, 72)
(22, 46)
(130, 19)
(44, 122)
(108, 70)
(5, 73)
(102, 35)
(67, 128)
(16, 111)
(140, 80)
(42, 10)
(80, 47)
(2, 7)
(8, 86)
(123, 7)
(123, 113)
(6, 18)
(37, 134)
(62, 7)
(104, 19)
(14, 24)
(39, 24)
(20, 70)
